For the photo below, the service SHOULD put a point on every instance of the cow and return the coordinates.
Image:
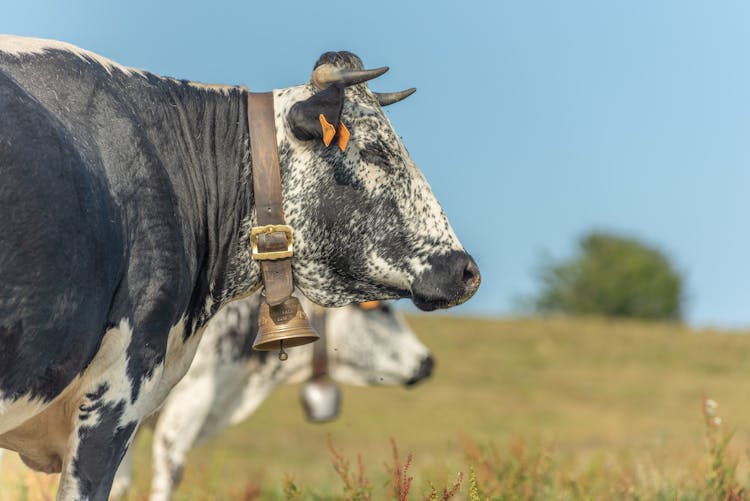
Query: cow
(228, 380)
(127, 204)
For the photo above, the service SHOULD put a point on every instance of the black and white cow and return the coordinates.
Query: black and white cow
(228, 380)
(126, 205)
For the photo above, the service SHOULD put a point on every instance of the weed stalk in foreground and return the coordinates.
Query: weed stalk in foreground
(356, 485)
(722, 476)
(400, 482)
(291, 491)
(358, 488)
(473, 486)
(447, 492)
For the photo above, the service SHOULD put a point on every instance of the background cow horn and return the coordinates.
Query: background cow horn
(386, 98)
(326, 74)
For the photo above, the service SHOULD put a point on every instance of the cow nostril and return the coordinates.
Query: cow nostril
(428, 365)
(471, 277)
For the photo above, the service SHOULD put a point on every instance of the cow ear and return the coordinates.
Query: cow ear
(304, 116)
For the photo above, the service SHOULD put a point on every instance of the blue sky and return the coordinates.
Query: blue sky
(534, 121)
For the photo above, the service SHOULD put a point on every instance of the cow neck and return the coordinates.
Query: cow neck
(269, 210)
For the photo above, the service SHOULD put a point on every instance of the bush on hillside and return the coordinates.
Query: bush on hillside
(612, 276)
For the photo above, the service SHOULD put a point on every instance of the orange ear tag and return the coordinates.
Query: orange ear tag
(369, 305)
(328, 130)
(344, 136)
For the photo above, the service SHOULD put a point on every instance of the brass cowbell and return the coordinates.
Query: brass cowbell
(283, 326)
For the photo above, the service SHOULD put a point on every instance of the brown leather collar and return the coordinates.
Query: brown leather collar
(320, 347)
(272, 239)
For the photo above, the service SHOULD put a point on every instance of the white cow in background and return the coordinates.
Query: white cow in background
(228, 380)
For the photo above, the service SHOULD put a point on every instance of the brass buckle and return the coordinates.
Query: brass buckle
(265, 230)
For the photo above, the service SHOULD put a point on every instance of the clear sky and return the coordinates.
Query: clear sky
(534, 121)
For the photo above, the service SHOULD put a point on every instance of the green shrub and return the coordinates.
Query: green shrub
(612, 276)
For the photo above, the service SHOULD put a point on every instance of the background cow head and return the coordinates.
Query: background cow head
(367, 224)
(374, 346)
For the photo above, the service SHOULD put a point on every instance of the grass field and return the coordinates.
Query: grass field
(538, 408)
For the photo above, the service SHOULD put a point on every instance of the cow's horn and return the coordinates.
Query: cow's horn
(386, 98)
(326, 74)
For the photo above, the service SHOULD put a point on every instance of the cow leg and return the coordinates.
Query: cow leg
(123, 477)
(180, 423)
(101, 435)
(104, 418)
(114, 394)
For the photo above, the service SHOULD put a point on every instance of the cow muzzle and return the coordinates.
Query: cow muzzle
(450, 279)
(426, 366)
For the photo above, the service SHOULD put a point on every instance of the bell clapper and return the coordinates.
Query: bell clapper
(282, 354)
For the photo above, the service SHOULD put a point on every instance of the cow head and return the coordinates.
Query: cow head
(374, 346)
(367, 224)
